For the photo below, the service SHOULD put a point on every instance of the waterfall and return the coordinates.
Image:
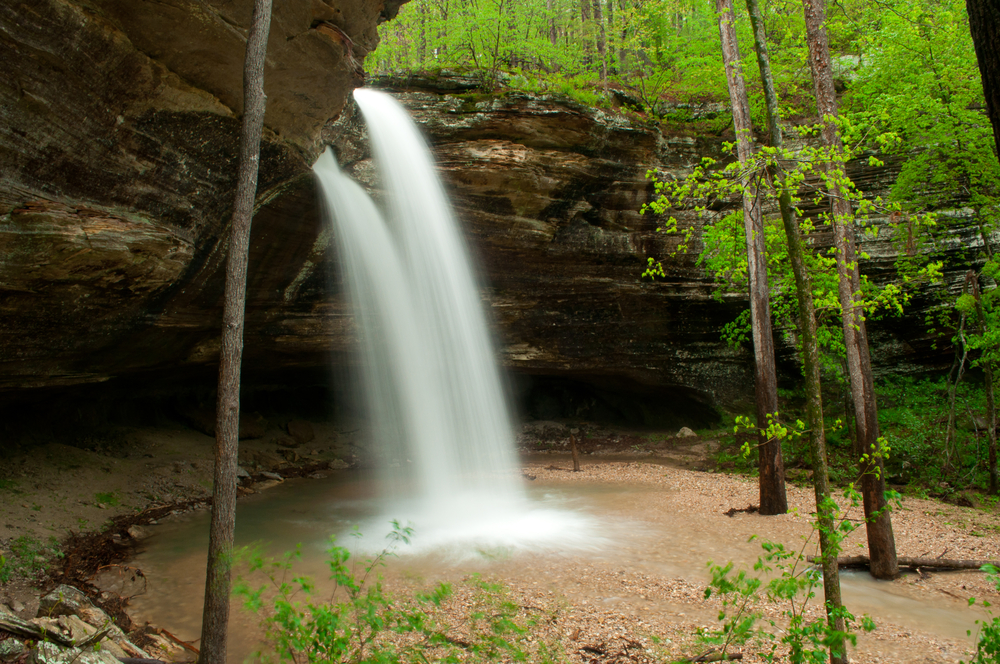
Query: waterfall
(441, 421)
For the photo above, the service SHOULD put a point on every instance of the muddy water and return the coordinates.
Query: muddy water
(621, 532)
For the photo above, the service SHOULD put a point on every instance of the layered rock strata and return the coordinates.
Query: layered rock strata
(119, 143)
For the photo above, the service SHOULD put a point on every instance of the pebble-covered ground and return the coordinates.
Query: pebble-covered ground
(642, 602)
(603, 610)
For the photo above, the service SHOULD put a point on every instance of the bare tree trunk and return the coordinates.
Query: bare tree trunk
(809, 344)
(575, 451)
(958, 369)
(991, 411)
(881, 543)
(623, 39)
(601, 39)
(553, 33)
(215, 619)
(585, 35)
(771, 468)
(984, 22)
(612, 38)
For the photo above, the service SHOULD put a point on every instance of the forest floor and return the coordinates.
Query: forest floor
(609, 610)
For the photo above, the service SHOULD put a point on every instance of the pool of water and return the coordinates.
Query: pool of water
(607, 524)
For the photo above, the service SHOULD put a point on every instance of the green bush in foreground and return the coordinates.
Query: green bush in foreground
(361, 623)
(988, 640)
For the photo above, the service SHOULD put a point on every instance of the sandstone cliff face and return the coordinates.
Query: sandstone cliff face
(119, 144)
(118, 139)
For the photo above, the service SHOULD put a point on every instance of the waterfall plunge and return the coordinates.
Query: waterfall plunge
(440, 418)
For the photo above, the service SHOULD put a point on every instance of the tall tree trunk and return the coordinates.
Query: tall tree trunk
(215, 620)
(602, 40)
(553, 32)
(991, 411)
(809, 343)
(623, 39)
(881, 543)
(984, 22)
(612, 38)
(771, 468)
(585, 33)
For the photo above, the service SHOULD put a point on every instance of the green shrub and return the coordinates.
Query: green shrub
(988, 640)
(360, 623)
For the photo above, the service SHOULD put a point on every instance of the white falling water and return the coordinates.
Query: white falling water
(431, 380)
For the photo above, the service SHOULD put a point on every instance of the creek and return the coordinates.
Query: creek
(624, 528)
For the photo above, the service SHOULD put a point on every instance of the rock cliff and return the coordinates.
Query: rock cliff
(119, 143)
(118, 136)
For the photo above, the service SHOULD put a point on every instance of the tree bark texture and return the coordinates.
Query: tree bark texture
(991, 410)
(881, 543)
(601, 39)
(814, 416)
(773, 499)
(984, 22)
(553, 32)
(215, 618)
(918, 562)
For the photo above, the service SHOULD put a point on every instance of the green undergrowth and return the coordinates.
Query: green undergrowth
(26, 556)
(923, 459)
(360, 622)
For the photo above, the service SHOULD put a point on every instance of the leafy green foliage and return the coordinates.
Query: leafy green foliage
(913, 416)
(655, 49)
(793, 584)
(361, 623)
(988, 639)
(721, 244)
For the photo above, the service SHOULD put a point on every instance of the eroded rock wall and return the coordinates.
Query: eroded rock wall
(118, 140)
(119, 132)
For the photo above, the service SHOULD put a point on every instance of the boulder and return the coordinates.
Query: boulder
(64, 600)
(49, 653)
(301, 431)
(11, 650)
(287, 441)
(685, 432)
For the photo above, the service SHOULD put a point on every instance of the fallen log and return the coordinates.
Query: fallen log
(183, 644)
(905, 561)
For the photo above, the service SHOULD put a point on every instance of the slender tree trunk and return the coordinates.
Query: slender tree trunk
(612, 38)
(553, 33)
(961, 353)
(809, 343)
(991, 411)
(623, 39)
(771, 468)
(215, 619)
(881, 543)
(585, 33)
(601, 40)
(984, 22)
(422, 37)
